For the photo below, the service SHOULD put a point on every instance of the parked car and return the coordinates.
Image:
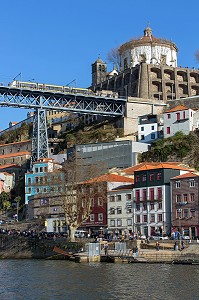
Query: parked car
(164, 237)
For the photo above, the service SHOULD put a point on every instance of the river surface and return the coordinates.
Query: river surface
(41, 279)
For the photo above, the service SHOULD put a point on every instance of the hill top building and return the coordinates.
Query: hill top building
(148, 70)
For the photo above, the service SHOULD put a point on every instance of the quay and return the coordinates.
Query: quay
(83, 251)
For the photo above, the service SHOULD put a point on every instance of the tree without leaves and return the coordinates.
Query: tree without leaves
(77, 198)
(197, 55)
(113, 56)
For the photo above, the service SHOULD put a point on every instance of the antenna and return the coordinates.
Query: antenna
(18, 75)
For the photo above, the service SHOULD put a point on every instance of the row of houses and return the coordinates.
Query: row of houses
(180, 118)
(145, 199)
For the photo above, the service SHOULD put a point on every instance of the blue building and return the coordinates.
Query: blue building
(42, 178)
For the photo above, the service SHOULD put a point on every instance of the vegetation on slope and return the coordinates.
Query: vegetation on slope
(16, 135)
(99, 132)
(180, 147)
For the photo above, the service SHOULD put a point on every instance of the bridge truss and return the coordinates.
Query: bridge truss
(45, 100)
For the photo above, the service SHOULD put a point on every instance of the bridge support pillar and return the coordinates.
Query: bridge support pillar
(40, 137)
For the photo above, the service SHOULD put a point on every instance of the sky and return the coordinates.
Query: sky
(56, 42)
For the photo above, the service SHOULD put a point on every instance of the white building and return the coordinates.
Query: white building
(180, 118)
(148, 49)
(120, 209)
(149, 128)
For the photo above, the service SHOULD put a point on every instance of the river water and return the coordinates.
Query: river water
(42, 279)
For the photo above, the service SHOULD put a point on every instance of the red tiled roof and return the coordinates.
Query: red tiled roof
(9, 166)
(15, 154)
(123, 188)
(156, 165)
(177, 108)
(15, 143)
(111, 178)
(186, 175)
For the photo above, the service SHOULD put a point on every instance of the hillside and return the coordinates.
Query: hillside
(182, 148)
(104, 131)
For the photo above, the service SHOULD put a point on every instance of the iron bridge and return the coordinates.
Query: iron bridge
(79, 103)
(46, 100)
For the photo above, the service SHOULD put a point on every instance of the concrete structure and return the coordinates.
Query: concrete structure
(180, 118)
(117, 154)
(185, 201)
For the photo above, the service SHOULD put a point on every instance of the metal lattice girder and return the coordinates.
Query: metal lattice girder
(40, 137)
(79, 103)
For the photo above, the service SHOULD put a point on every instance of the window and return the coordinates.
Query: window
(119, 222)
(119, 210)
(92, 202)
(179, 213)
(159, 193)
(137, 178)
(192, 212)
(36, 170)
(128, 196)
(29, 180)
(159, 176)
(178, 198)
(37, 190)
(152, 127)
(128, 207)
(185, 198)
(144, 177)
(151, 177)
(183, 114)
(138, 207)
(45, 169)
(159, 217)
(168, 130)
(37, 179)
(129, 222)
(100, 202)
(168, 116)
(142, 128)
(153, 136)
(151, 193)
(145, 218)
(159, 205)
(192, 197)
(100, 217)
(192, 183)
(152, 218)
(119, 198)
(112, 223)
(186, 213)
(112, 198)
(41, 169)
(29, 190)
(92, 218)
(144, 194)
(112, 210)
(177, 184)
(137, 195)
(45, 189)
(138, 219)
(151, 206)
(142, 137)
(145, 206)
(177, 116)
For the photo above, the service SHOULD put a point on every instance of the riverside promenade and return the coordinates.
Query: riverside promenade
(16, 247)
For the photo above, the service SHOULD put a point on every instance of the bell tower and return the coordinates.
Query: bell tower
(99, 71)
